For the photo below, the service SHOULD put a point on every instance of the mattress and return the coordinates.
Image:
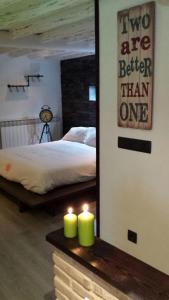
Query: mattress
(42, 167)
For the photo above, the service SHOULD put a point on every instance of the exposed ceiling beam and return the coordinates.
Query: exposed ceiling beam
(61, 18)
(15, 52)
(6, 4)
(63, 32)
(4, 50)
(79, 44)
(14, 12)
(58, 55)
(44, 28)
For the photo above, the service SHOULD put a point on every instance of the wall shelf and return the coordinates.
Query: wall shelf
(126, 274)
(28, 78)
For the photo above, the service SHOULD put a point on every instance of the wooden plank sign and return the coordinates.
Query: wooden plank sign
(136, 66)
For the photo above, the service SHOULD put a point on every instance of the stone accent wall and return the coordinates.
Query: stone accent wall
(76, 77)
(72, 281)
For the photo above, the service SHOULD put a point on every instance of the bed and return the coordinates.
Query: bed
(40, 174)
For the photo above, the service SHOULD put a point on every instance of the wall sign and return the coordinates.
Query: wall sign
(136, 66)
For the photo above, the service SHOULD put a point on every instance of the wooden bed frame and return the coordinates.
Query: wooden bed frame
(27, 199)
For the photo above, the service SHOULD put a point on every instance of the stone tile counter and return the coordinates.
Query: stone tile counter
(102, 272)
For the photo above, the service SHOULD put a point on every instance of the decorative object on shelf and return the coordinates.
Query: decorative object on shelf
(86, 227)
(17, 87)
(46, 116)
(70, 224)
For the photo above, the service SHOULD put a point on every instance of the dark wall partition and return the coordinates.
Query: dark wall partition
(76, 76)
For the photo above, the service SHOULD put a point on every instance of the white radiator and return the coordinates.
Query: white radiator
(25, 134)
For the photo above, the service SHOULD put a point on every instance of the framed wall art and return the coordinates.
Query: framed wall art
(136, 66)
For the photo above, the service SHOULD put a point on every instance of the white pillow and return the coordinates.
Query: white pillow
(90, 138)
(76, 134)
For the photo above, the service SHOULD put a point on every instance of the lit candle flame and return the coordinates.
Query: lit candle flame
(85, 207)
(70, 210)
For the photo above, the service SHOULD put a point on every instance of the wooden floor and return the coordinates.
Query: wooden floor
(26, 271)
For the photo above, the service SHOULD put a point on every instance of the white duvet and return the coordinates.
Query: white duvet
(42, 167)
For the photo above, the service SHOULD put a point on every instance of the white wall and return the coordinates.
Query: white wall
(135, 186)
(19, 105)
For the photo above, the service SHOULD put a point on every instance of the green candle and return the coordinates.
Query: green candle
(70, 224)
(86, 227)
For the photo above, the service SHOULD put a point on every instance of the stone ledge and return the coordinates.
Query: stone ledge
(128, 277)
(99, 290)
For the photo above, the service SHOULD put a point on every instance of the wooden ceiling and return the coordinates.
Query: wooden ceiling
(47, 28)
